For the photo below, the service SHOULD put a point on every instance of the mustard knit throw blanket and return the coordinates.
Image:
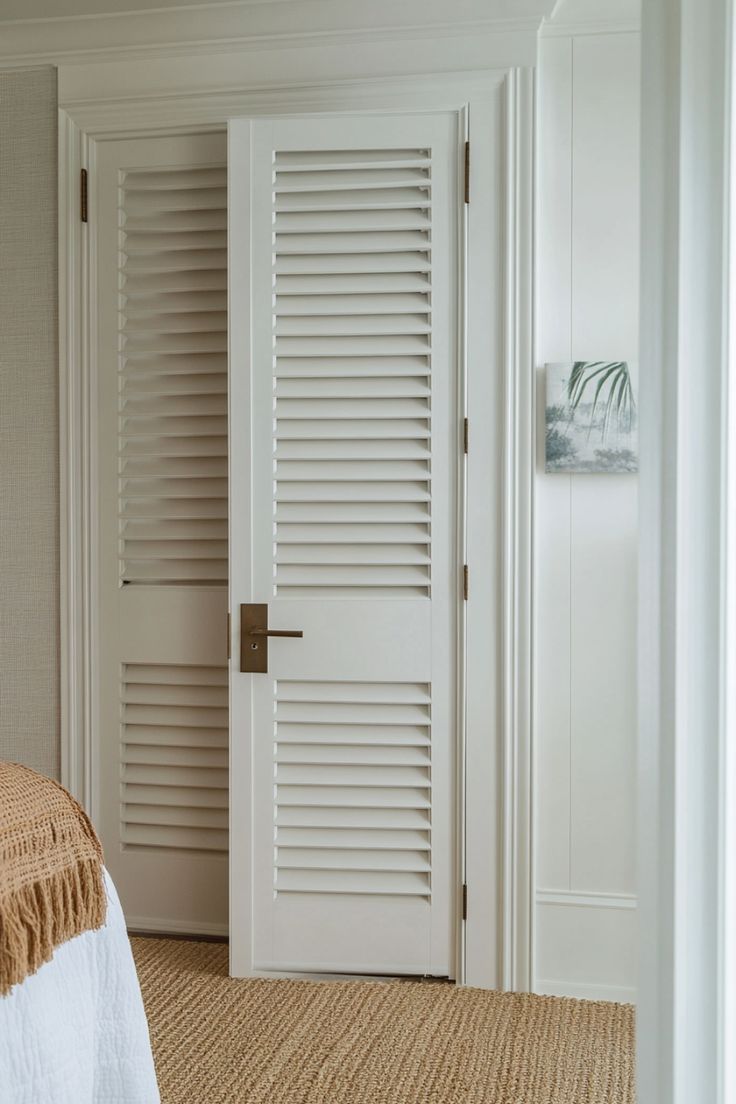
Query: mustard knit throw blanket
(51, 882)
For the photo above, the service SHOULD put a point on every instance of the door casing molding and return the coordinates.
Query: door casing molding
(495, 948)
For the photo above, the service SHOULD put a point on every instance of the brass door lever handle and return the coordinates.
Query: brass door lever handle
(275, 632)
(254, 634)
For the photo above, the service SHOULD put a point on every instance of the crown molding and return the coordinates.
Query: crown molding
(256, 42)
(277, 65)
(255, 25)
(200, 5)
(554, 29)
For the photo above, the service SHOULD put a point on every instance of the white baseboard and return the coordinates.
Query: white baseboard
(583, 991)
(586, 945)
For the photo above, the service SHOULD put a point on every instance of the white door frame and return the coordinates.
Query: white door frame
(687, 643)
(496, 945)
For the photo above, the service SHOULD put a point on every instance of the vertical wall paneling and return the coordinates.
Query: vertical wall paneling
(552, 496)
(586, 527)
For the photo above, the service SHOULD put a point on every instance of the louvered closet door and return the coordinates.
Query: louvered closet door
(344, 452)
(159, 213)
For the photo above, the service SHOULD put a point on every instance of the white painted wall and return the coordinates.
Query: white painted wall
(29, 419)
(586, 526)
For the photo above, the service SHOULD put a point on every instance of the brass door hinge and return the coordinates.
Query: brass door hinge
(465, 902)
(466, 170)
(465, 436)
(465, 582)
(83, 195)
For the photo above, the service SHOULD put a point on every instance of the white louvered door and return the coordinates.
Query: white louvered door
(344, 254)
(159, 208)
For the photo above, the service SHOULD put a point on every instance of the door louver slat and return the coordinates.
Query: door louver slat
(353, 793)
(173, 377)
(352, 323)
(174, 757)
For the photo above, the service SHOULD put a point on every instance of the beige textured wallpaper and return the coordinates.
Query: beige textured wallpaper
(29, 466)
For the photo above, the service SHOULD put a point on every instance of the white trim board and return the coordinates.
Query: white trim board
(235, 71)
(586, 945)
(560, 29)
(686, 644)
(518, 859)
(578, 990)
(568, 897)
(124, 115)
(497, 937)
(256, 26)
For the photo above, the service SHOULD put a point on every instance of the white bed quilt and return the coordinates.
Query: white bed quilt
(75, 1032)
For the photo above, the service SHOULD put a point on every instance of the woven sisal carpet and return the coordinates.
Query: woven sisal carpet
(220, 1041)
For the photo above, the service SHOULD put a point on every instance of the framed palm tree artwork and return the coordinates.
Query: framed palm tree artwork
(591, 417)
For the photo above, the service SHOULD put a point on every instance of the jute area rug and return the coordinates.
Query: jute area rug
(218, 1040)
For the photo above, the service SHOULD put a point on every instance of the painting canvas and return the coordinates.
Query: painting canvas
(591, 417)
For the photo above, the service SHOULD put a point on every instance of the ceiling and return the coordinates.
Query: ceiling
(564, 10)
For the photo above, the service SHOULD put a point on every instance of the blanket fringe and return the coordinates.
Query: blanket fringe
(39, 916)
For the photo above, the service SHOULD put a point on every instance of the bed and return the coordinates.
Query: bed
(73, 1030)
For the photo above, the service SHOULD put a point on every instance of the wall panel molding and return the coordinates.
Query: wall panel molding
(572, 898)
